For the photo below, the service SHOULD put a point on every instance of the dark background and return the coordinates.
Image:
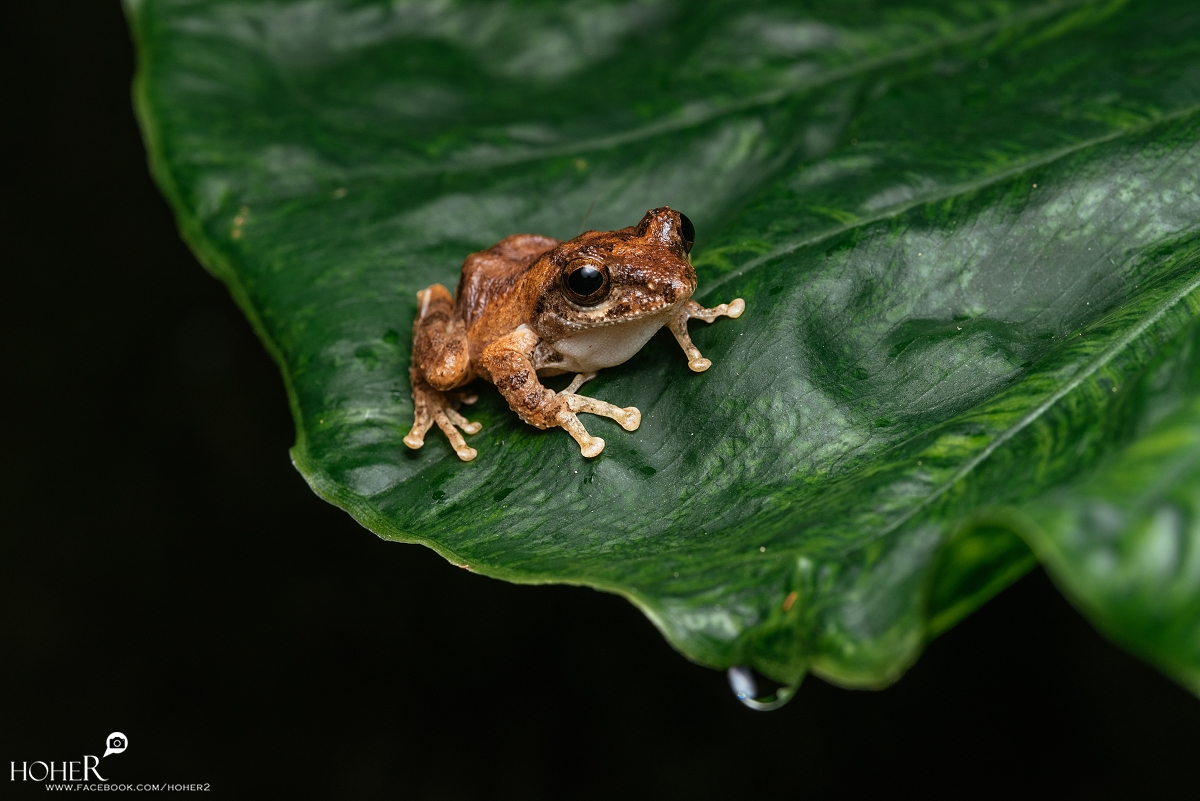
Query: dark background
(165, 572)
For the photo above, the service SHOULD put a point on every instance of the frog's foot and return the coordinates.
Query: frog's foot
(678, 326)
(437, 407)
(628, 418)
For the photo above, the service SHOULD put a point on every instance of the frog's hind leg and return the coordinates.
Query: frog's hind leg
(692, 309)
(440, 340)
(434, 407)
(440, 364)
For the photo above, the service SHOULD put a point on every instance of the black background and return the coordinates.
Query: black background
(165, 572)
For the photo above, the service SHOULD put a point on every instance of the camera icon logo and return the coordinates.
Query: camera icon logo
(116, 742)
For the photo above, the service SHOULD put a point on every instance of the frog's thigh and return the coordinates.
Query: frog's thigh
(440, 340)
(692, 309)
(440, 362)
(509, 363)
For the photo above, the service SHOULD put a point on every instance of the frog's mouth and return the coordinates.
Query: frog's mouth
(619, 313)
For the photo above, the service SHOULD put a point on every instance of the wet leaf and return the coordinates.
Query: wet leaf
(966, 233)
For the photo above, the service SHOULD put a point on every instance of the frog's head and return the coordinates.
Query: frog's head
(609, 277)
(620, 285)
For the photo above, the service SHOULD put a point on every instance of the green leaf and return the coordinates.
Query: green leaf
(1125, 541)
(967, 234)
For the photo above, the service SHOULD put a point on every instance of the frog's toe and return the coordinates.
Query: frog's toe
(416, 435)
(628, 418)
(449, 421)
(589, 446)
(736, 308)
(699, 365)
(578, 382)
(462, 422)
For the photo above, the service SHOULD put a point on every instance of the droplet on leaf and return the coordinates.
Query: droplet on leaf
(756, 690)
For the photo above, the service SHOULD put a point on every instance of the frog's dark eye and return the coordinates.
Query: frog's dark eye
(687, 232)
(586, 282)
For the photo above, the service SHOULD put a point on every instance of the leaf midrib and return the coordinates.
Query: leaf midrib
(943, 193)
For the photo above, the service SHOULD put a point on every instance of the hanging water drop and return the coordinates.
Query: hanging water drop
(757, 691)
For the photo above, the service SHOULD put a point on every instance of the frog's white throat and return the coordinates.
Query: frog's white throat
(608, 345)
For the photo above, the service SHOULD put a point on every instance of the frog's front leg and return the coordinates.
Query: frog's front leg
(508, 361)
(440, 364)
(678, 326)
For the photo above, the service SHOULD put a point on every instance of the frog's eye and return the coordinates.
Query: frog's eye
(687, 232)
(586, 282)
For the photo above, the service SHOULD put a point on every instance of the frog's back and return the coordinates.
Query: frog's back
(491, 273)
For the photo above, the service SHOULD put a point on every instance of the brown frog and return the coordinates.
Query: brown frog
(533, 306)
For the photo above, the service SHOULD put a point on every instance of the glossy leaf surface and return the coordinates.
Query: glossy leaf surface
(967, 234)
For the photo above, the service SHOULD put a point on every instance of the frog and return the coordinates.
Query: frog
(532, 307)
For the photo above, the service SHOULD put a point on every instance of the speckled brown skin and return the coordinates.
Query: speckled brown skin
(515, 319)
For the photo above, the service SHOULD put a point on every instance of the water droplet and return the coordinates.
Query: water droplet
(757, 691)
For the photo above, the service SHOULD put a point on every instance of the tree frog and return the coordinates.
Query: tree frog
(532, 306)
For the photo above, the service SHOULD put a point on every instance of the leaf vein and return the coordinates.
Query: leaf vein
(945, 193)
